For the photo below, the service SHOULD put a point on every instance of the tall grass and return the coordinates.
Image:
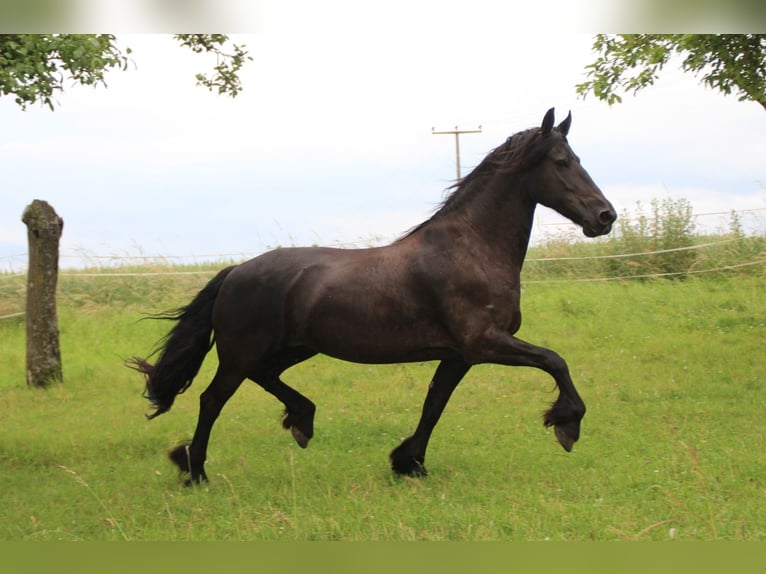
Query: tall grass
(646, 244)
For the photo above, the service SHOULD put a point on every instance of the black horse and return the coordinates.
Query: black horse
(448, 291)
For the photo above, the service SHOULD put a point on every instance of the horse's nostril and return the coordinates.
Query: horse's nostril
(607, 216)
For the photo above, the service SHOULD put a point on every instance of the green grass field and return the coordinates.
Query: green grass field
(672, 446)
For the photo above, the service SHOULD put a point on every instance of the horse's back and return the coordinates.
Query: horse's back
(258, 289)
(363, 305)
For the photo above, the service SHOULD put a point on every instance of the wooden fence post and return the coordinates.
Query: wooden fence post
(44, 229)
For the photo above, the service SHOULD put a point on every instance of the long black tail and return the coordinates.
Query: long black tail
(182, 350)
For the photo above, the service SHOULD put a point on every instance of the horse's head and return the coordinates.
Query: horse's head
(561, 183)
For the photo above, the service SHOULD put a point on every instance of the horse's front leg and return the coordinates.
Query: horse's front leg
(568, 409)
(409, 457)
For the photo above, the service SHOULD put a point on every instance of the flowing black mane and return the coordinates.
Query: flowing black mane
(519, 152)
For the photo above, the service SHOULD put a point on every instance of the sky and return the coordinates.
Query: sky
(331, 140)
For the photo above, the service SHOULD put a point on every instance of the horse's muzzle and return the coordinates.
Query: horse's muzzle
(602, 225)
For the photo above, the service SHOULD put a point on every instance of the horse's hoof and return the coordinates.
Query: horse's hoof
(564, 439)
(300, 438)
(192, 481)
(418, 471)
(404, 467)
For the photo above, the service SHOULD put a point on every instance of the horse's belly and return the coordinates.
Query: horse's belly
(375, 331)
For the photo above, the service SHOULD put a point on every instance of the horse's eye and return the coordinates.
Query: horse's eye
(562, 162)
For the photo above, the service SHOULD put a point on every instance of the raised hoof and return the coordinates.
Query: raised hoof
(564, 439)
(300, 438)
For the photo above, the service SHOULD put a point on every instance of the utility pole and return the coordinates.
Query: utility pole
(456, 132)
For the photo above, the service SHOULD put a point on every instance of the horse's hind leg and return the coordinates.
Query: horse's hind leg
(409, 457)
(191, 457)
(299, 411)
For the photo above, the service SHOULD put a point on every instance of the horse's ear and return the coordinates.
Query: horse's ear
(564, 126)
(547, 122)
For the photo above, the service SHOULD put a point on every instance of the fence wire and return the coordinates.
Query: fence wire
(169, 273)
(129, 258)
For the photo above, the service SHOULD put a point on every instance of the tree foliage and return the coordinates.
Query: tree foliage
(228, 63)
(34, 67)
(730, 63)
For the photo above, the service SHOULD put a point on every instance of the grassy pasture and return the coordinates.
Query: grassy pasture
(672, 445)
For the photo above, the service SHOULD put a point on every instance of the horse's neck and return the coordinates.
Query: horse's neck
(503, 214)
(494, 224)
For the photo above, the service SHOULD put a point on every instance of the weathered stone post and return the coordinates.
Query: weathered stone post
(44, 229)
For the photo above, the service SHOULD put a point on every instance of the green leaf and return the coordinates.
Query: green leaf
(727, 62)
